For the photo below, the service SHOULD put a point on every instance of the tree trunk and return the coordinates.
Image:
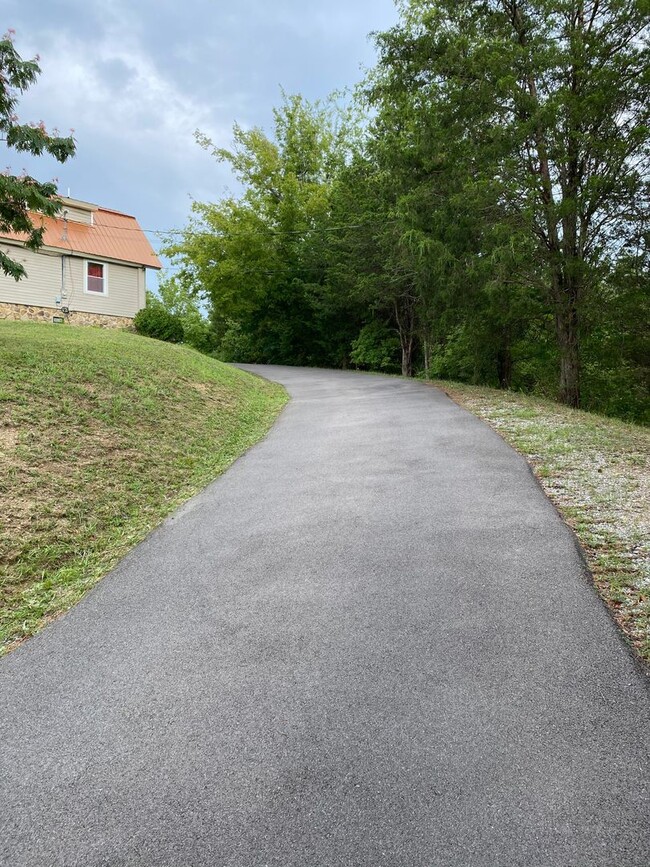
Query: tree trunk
(567, 335)
(566, 328)
(407, 354)
(504, 367)
(405, 318)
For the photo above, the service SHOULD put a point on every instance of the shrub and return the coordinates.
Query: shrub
(157, 322)
(235, 345)
(376, 348)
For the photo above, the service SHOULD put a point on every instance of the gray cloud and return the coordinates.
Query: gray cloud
(136, 79)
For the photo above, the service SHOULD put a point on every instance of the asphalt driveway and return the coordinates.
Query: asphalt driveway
(370, 643)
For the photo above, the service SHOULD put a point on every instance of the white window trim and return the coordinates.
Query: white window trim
(104, 265)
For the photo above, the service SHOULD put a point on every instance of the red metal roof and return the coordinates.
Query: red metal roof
(113, 235)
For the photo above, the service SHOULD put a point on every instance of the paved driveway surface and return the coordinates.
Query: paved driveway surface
(371, 642)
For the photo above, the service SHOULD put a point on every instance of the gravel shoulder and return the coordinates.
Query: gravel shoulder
(596, 471)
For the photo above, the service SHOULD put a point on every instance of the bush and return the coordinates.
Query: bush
(199, 334)
(157, 322)
(235, 345)
(376, 348)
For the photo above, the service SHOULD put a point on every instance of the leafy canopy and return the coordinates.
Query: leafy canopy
(22, 194)
(260, 260)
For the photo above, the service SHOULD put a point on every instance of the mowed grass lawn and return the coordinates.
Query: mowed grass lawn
(597, 472)
(102, 434)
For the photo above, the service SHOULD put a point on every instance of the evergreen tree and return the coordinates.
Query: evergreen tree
(544, 103)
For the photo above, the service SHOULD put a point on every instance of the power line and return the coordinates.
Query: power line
(272, 232)
(343, 227)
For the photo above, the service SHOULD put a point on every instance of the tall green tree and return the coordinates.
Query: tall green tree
(369, 265)
(21, 195)
(545, 104)
(260, 259)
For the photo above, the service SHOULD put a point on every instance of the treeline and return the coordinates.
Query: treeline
(480, 212)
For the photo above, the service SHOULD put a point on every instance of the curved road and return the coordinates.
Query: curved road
(370, 643)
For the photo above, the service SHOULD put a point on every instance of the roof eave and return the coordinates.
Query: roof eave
(69, 251)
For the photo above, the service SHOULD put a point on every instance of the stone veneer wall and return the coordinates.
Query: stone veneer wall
(30, 313)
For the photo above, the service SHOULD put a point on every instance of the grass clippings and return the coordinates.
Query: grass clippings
(103, 434)
(596, 471)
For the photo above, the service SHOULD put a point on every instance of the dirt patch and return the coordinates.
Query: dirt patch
(8, 440)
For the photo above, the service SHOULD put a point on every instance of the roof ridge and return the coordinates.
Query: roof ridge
(119, 213)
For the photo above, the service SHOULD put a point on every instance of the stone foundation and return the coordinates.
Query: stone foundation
(30, 313)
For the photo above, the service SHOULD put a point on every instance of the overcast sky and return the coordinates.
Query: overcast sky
(135, 78)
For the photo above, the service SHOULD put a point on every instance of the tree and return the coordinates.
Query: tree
(177, 298)
(22, 195)
(260, 260)
(546, 104)
(377, 271)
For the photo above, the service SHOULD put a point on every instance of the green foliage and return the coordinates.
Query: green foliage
(157, 322)
(616, 346)
(177, 298)
(490, 216)
(260, 261)
(376, 348)
(537, 114)
(454, 357)
(22, 195)
(235, 344)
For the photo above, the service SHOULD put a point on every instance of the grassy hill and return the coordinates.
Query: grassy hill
(597, 472)
(102, 434)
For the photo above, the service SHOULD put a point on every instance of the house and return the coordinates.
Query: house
(91, 269)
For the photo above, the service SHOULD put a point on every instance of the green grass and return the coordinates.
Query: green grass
(102, 434)
(597, 472)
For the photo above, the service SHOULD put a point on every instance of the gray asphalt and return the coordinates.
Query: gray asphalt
(371, 642)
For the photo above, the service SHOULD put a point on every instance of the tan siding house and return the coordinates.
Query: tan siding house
(90, 270)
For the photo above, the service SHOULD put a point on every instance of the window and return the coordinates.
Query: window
(96, 282)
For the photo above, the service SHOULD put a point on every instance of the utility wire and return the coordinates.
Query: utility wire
(323, 229)
(197, 232)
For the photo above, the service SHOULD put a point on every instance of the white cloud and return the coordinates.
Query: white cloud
(136, 79)
(112, 89)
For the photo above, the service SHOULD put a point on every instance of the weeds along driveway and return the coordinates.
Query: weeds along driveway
(371, 642)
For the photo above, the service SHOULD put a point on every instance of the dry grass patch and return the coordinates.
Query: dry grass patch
(597, 472)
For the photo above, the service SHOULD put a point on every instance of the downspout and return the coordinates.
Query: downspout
(64, 237)
(64, 295)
